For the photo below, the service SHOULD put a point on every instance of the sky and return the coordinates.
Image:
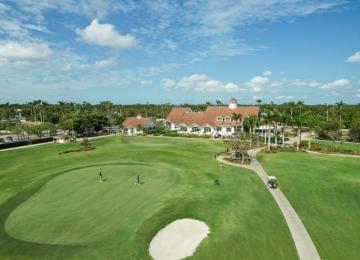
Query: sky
(157, 51)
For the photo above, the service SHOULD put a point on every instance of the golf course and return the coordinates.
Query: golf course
(325, 192)
(53, 206)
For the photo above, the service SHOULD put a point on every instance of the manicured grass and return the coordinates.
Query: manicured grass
(344, 146)
(325, 192)
(53, 206)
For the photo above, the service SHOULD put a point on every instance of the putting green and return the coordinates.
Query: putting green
(75, 207)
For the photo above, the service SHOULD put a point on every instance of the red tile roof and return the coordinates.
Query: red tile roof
(180, 115)
(135, 122)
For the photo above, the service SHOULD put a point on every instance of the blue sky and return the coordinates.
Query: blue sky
(180, 51)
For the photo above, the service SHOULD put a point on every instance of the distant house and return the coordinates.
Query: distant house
(214, 121)
(135, 125)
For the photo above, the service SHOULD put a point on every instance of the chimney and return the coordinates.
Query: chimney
(232, 103)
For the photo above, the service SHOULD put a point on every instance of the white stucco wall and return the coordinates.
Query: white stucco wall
(214, 130)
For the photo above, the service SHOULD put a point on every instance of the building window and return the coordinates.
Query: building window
(218, 129)
(195, 129)
(183, 128)
(207, 130)
(227, 119)
(219, 118)
(228, 129)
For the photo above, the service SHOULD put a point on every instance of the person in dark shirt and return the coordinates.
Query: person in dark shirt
(138, 179)
(100, 175)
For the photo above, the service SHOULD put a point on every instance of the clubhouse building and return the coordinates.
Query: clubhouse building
(135, 125)
(215, 121)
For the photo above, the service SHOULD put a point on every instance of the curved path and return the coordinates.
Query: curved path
(303, 243)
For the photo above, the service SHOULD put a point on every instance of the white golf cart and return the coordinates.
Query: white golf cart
(272, 182)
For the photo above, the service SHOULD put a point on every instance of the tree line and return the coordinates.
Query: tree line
(326, 120)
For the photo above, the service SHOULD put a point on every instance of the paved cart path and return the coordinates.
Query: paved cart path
(303, 243)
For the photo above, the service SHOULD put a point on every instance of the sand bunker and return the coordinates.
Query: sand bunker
(178, 240)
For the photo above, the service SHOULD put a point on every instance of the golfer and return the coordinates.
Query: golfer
(100, 175)
(137, 179)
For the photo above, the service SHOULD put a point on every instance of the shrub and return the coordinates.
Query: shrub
(13, 144)
(171, 133)
(316, 147)
(332, 149)
(42, 140)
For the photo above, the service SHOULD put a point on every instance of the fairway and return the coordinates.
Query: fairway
(324, 190)
(53, 206)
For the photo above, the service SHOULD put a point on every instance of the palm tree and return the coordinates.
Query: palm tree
(311, 122)
(250, 121)
(258, 102)
(340, 106)
(283, 118)
(292, 105)
(258, 123)
(268, 121)
(298, 121)
(236, 117)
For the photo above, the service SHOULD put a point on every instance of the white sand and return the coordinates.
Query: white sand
(178, 240)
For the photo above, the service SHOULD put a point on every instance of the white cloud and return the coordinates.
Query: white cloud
(16, 50)
(188, 82)
(302, 83)
(17, 64)
(106, 35)
(256, 97)
(168, 83)
(228, 46)
(278, 83)
(284, 97)
(313, 84)
(257, 83)
(103, 63)
(298, 83)
(221, 17)
(170, 45)
(355, 58)
(267, 73)
(146, 82)
(66, 67)
(336, 83)
(201, 83)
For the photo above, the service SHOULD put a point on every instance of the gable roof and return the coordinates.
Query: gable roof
(136, 121)
(176, 114)
(180, 115)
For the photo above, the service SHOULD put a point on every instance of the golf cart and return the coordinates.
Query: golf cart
(272, 182)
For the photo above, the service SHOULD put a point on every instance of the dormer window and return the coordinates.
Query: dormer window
(219, 118)
(228, 119)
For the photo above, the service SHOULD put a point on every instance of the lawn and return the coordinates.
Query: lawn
(344, 146)
(53, 206)
(325, 192)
